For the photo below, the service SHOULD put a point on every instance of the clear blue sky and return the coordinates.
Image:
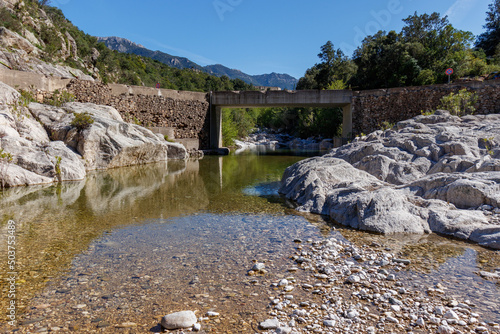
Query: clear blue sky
(258, 36)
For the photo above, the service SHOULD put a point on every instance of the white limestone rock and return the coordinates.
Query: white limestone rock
(430, 173)
(179, 320)
(14, 40)
(108, 142)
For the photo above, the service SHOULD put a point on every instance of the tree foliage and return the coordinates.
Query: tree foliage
(300, 122)
(489, 41)
(417, 55)
(334, 70)
(461, 103)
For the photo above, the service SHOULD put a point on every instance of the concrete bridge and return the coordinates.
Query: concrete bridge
(264, 99)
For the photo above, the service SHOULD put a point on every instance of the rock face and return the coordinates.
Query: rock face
(436, 173)
(108, 142)
(45, 147)
(184, 319)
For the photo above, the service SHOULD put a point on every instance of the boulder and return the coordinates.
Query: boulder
(430, 173)
(16, 120)
(49, 162)
(108, 142)
(179, 320)
(46, 148)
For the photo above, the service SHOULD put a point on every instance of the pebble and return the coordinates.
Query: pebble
(353, 279)
(127, 325)
(258, 266)
(329, 323)
(283, 282)
(269, 324)
(402, 261)
(283, 330)
(451, 315)
(179, 320)
(363, 296)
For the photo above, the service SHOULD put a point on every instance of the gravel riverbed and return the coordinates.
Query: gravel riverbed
(361, 292)
(308, 278)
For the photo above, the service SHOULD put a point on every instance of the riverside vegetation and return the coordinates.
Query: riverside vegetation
(417, 55)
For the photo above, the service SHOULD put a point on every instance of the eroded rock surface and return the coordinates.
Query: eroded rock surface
(436, 173)
(45, 147)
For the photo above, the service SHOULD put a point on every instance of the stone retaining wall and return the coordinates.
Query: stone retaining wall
(372, 107)
(186, 112)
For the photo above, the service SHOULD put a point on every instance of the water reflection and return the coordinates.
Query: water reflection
(55, 223)
(108, 215)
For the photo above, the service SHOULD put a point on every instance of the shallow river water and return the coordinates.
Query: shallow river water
(116, 252)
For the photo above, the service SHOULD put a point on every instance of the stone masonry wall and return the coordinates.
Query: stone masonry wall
(189, 116)
(372, 107)
(187, 112)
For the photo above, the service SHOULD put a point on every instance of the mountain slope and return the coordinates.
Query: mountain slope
(35, 37)
(124, 45)
(283, 81)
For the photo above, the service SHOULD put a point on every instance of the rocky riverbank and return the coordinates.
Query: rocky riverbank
(269, 139)
(437, 173)
(45, 146)
(363, 290)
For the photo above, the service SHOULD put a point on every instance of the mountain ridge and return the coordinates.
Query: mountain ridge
(273, 79)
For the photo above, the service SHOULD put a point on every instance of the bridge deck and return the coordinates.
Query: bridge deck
(263, 99)
(303, 98)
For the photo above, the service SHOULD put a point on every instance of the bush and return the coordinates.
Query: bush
(426, 77)
(60, 98)
(82, 121)
(459, 104)
(229, 128)
(10, 21)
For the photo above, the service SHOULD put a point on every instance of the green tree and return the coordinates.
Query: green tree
(334, 66)
(381, 52)
(489, 41)
(334, 70)
(308, 81)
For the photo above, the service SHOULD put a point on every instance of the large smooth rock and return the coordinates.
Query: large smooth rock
(35, 159)
(41, 161)
(108, 142)
(8, 95)
(179, 320)
(433, 173)
(18, 176)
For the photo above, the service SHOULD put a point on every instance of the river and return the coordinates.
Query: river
(126, 246)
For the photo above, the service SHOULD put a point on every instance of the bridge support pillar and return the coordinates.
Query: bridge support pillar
(347, 121)
(215, 127)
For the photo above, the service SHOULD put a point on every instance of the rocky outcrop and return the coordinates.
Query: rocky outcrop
(11, 39)
(268, 139)
(436, 173)
(23, 48)
(46, 147)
